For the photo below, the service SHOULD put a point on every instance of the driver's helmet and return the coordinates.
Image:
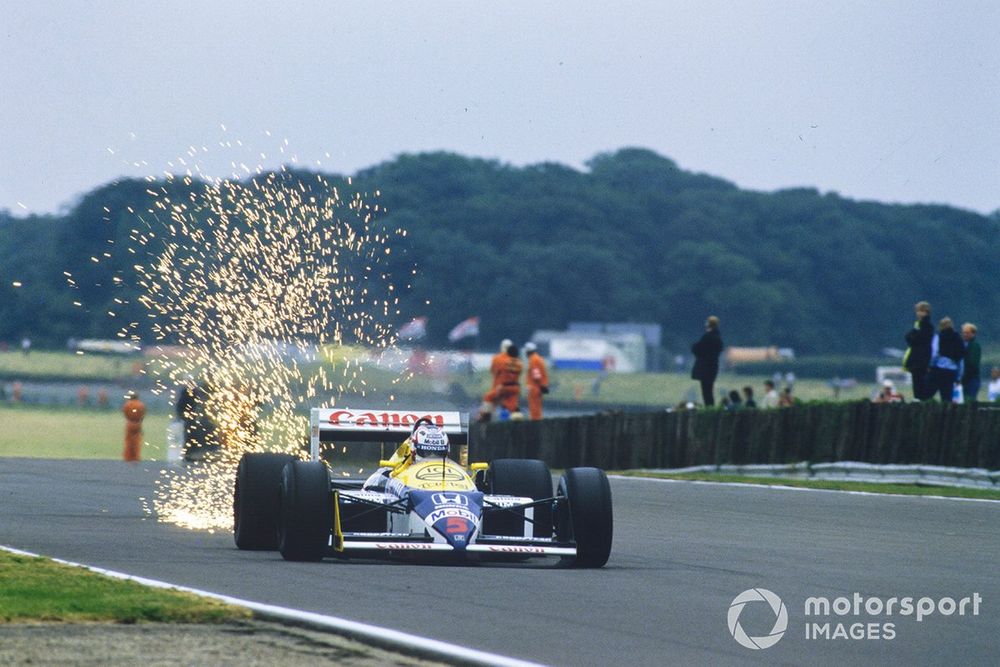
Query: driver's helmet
(429, 440)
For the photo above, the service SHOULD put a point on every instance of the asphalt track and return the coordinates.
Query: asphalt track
(682, 554)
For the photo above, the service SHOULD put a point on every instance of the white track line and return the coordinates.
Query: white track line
(782, 487)
(383, 637)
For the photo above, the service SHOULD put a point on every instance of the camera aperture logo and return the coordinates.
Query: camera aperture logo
(855, 617)
(780, 618)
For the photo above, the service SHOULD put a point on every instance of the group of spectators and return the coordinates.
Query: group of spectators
(772, 398)
(706, 351)
(941, 361)
(504, 395)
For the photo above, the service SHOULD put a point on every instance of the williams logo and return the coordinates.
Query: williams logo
(780, 618)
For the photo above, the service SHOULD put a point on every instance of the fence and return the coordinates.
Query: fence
(966, 436)
(853, 471)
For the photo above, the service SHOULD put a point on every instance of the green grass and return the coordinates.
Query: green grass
(37, 589)
(40, 364)
(869, 487)
(653, 389)
(672, 388)
(74, 433)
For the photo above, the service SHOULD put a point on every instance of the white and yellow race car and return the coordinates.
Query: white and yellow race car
(420, 501)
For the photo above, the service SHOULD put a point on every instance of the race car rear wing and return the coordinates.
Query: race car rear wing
(355, 425)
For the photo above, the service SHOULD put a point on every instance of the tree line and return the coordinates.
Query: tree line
(632, 237)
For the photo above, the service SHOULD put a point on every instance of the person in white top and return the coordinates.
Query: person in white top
(771, 397)
(993, 393)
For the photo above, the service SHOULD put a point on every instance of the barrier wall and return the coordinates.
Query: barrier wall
(926, 433)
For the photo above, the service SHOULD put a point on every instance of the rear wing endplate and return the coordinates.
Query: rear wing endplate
(395, 426)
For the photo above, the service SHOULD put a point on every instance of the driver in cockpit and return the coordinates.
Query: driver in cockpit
(427, 440)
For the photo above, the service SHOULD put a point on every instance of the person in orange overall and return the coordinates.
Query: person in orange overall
(134, 411)
(491, 397)
(499, 359)
(538, 380)
(508, 384)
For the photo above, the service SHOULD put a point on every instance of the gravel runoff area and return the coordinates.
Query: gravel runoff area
(244, 643)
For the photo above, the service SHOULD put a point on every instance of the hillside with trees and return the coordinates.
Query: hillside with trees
(631, 238)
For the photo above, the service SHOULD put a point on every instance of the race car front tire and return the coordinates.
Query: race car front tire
(585, 516)
(255, 500)
(305, 516)
(527, 478)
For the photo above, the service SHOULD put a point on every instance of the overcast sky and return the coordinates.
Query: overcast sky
(894, 101)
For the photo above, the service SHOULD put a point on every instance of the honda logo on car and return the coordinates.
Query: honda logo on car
(449, 499)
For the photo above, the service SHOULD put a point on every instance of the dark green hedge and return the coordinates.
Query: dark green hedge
(927, 433)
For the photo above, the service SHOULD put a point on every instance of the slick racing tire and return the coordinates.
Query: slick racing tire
(305, 514)
(528, 478)
(255, 500)
(585, 516)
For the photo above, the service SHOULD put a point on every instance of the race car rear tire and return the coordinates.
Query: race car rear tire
(305, 516)
(586, 516)
(255, 500)
(527, 478)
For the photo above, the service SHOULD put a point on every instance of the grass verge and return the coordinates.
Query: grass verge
(51, 364)
(38, 589)
(653, 389)
(73, 433)
(830, 485)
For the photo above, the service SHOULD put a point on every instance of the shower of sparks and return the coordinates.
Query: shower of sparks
(260, 284)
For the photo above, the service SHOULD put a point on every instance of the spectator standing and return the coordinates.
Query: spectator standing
(748, 401)
(706, 359)
(993, 391)
(947, 352)
(917, 359)
(25, 346)
(538, 380)
(970, 365)
(771, 398)
(134, 411)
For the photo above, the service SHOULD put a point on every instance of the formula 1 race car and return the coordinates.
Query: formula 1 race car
(420, 502)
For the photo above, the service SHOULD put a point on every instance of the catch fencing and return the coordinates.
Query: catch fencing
(964, 436)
